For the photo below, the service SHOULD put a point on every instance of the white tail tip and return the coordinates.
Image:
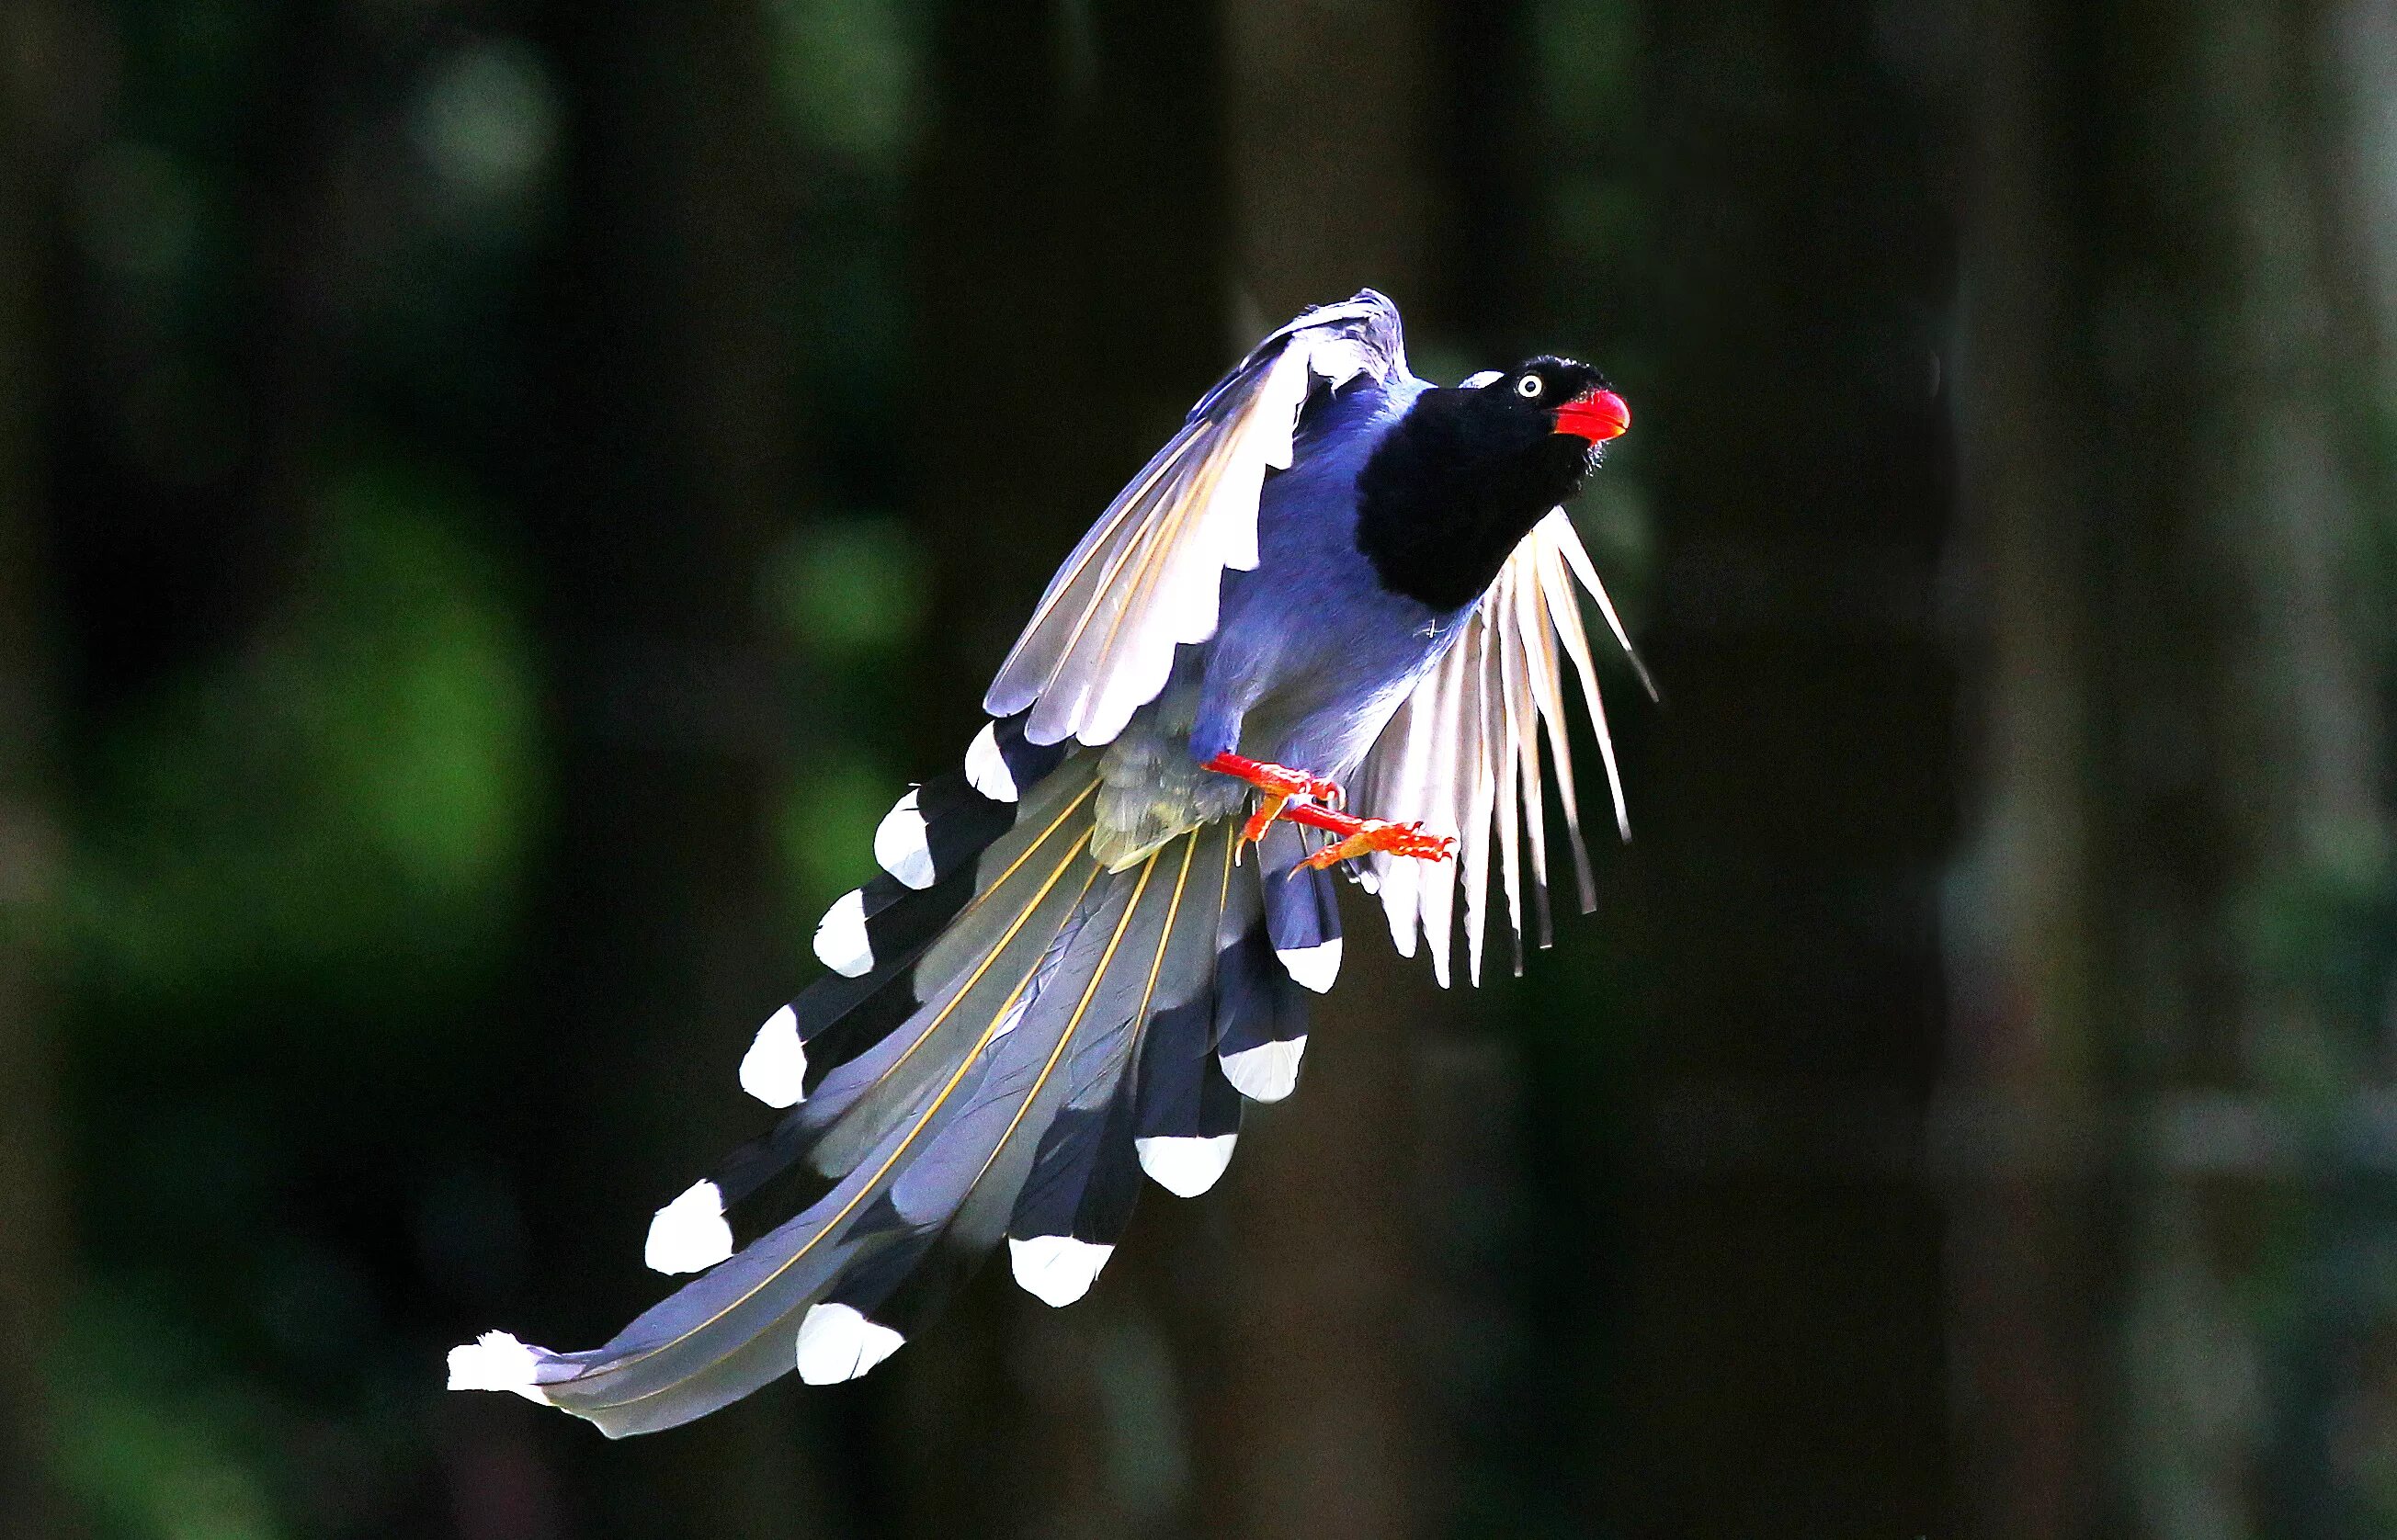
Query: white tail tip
(902, 844)
(496, 1362)
(1266, 1073)
(775, 1068)
(1056, 1270)
(1313, 967)
(986, 769)
(840, 937)
(1185, 1166)
(837, 1343)
(689, 1234)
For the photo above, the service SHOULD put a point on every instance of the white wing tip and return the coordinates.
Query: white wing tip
(775, 1068)
(1056, 1270)
(842, 945)
(837, 1343)
(1185, 1166)
(1266, 1073)
(496, 1362)
(1313, 967)
(689, 1234)
(986, 769)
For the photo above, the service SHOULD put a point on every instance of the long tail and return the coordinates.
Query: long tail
(1010, 1036)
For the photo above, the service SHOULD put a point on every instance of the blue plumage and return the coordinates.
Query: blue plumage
(1069, 975)
(1313, 654)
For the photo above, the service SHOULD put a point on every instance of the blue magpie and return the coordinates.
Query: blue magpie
(1326, 627)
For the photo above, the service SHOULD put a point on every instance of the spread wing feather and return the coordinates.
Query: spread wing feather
(1463, 752)
(1147, 576)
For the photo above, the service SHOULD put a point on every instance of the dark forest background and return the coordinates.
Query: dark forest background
(497, 496)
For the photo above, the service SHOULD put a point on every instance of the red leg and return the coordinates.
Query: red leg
(1275, 780)
(1279, 782)
(1358, 836)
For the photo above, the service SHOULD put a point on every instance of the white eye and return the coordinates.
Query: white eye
(1528, 387)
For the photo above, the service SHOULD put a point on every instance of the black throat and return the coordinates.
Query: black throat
(1452, 488)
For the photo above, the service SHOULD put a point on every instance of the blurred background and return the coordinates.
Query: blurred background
(497, 496)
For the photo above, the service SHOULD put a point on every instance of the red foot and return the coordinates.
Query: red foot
(1364, 835)
(1358, 836)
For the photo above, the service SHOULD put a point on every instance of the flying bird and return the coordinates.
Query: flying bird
(1324, 628)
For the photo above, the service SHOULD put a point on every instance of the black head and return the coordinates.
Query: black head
(1468, 471)
(1551, 412)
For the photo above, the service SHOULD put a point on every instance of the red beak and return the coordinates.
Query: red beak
(1598, 417)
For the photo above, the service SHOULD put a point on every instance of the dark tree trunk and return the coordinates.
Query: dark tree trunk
(34, 1263)
(1069, 261)
(666, 436)
(164, 552)
(2025, 1301)
(2171, 1234)
(1774, 1341)
(1314, 1427)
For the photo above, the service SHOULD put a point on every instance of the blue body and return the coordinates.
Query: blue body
(1311, 655)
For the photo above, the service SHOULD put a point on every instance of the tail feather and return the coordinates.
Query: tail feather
(887, 1048)
(894, 1079)
(1075, 1203)
(942, 846)
(1016, 1079)
(1106, 988)
(1079, 1191)
(836, 1019)
(1301, 909)
(763, 1311)
(1260, 1019)
(1185, 1115)
(1035, 1031)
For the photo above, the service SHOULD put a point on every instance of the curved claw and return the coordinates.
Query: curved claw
(1270, 808)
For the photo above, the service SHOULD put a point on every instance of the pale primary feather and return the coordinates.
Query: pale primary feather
(1462, 753)
(1148, 576)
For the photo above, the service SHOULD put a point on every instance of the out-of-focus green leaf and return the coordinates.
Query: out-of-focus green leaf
(827, 826)
(848, 586)
(845, 69)
(347, 799)
(487, 122)
(1584, 57)
(154, 1447)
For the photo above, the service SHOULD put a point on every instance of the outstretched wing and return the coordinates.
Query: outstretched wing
(1462, 753)
(1147, 576)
